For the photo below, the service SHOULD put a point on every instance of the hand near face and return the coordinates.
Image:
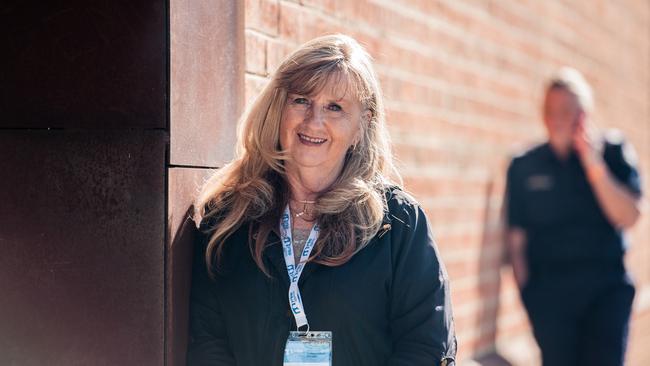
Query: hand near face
(585, 140)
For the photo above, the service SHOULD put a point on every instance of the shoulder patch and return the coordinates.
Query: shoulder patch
(629, 155)
(614, 136)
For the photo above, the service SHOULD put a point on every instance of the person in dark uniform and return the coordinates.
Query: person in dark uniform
(568, 202)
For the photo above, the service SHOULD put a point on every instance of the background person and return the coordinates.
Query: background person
(569, 201)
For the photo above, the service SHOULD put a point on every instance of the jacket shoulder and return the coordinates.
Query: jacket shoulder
(525, 157)
(616, 143)
(401, 208)
(397, 198)
(529, 153)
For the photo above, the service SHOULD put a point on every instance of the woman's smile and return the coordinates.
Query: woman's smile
(310, 141)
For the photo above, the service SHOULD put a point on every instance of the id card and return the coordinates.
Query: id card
(308, 349)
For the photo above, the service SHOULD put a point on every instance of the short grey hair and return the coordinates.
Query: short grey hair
(574, 82)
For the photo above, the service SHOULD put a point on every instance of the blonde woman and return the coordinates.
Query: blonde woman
(308, 253)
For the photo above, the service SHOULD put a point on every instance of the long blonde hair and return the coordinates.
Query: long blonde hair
(253, 187)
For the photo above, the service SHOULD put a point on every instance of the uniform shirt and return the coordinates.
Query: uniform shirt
(554, 203)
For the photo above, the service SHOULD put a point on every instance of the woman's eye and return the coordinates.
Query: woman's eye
(335, 107)
(300, 100)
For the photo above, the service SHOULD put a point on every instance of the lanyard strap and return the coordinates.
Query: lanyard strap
(294, 271)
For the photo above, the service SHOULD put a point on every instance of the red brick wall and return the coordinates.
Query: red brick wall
(462, 81)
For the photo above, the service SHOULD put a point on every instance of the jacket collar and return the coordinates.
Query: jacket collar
(551, 156)
(273, 251)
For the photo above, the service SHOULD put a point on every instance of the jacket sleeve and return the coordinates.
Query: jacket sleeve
(421, 319)
(208, 343)
(622, 161)
(514, 199)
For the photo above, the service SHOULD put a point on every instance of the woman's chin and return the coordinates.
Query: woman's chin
(308, 163)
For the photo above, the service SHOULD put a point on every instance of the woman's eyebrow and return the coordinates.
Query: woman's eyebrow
(339, 100)
(329, 99)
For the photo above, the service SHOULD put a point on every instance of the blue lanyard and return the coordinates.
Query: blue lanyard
(294, 271)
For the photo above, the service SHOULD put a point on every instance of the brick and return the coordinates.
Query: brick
(255, 53)
(276, 52)
(262, 15)
(253, 86)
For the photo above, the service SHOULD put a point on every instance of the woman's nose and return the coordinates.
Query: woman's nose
(315, 114)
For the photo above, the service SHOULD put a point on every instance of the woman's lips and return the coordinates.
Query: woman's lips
(309, 140)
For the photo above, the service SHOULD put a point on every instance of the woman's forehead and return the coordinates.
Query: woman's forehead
(333, 86)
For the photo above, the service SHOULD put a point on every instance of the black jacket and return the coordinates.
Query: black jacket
(389, 305)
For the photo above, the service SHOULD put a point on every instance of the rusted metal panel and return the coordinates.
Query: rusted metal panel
(90, 64)
(82, 225)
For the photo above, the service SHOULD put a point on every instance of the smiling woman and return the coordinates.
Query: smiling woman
(317, 131)
(312, 190)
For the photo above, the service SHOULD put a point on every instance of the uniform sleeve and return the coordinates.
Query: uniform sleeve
(622, 162)
(208, 339)
(514, 203)
(421, 318)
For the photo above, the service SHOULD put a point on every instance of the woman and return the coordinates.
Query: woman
(309, 190)
(569, 201)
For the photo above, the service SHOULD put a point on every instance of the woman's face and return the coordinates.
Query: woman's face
(317, 130)
(561, 115)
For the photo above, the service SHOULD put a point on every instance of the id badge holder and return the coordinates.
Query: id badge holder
(308, 349)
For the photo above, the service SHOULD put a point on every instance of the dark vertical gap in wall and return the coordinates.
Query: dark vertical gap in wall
(166, 238)
(167, 115)
(167, 37)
